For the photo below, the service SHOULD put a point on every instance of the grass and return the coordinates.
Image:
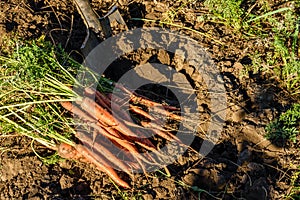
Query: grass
(277, 28)
(295, 182)
(285, 128)
(173, 13)
(226, 12)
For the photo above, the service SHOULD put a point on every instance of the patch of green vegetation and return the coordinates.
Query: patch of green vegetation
(28, 84)
(170, 15)
(289, 70)
(278, 29)
(228, 12)
(125, 195)
(295, 182)
(286, 127)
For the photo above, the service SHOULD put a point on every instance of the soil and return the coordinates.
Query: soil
(242, 165)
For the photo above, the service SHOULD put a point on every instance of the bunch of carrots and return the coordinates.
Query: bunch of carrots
(37, 99)
(95, 110)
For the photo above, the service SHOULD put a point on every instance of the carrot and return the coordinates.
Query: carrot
(143, 100)
(103, 167)
(167, 113)
(79, 152)
(157, 130)
(117, 100)
(67, 151)
(133, 165)
(135, 137)
(106, 102)
(141, 112)
(104, 116)
(90, 92)
(102, 129)
(77, 111)
(102, 150)
(125, 130)
(123, 143)
(124, 152)
(113, 134)
(104, 98)
(97, 111)
(154, 150)
(146, 142)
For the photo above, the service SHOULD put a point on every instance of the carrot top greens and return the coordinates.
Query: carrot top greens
(34, 79)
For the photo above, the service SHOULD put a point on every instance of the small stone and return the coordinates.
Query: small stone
(161, 193)
(182, 160)
(189, 70)
(191, 178)
(238, 67)
(32, 26)
(197, 77)
(155, 182)
(190, 17)
(227, 63)
(269, 114)
(227, 69)
(200, 108)
(66, 164)
(147, 197)
(238, 115)
(160, 7)
(65, 182)
(163, 57)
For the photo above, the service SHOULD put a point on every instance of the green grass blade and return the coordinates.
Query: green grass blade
(269, 13)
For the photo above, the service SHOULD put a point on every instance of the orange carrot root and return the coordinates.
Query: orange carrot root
(156, 129)
(78, 151)
(101, 166)
(137, 110)
(103, 151)
(102, 115)
(119, 130)
(77, 111)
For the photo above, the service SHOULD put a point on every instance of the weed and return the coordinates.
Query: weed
(278, 29)
(257, 65)
(125, 195)
(295, 182)
(173, 13)
(228, 12)
(290, 72)
(286, 127)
